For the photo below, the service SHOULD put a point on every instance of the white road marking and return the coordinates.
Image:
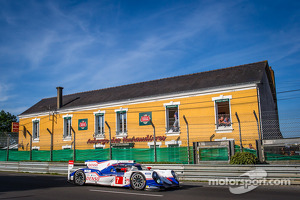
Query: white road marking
(151, 195)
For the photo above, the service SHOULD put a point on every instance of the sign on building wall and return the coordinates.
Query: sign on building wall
(15, 127)
(144, 118)
(82, 124)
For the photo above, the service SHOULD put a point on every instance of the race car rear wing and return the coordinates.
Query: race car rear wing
(71, 167)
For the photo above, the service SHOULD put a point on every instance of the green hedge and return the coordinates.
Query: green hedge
(244, 158)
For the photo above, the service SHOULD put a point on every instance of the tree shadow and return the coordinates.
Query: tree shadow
(10, 182)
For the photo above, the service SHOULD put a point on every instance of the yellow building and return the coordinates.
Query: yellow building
(210, 101)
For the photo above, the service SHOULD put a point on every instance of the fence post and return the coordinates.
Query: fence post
(258, 128)
(74, 144)
(52, 135)
(110, 152)
(188, 138)
(51, 145)
(259, 144)
(30, 154)
(154, 141)
(7, 150)
(241, 144)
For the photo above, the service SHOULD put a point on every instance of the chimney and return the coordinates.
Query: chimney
(59, 97)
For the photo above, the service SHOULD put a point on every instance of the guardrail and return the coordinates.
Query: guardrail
(206, 172)
(184, 171)
(35, 167)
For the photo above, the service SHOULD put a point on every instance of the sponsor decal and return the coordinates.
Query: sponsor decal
(92, 178)
(144, 118)
(92, 164)
(119, 180)
(82, 124)
(71, 164)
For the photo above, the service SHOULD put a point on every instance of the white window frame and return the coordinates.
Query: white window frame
(36, 148)
(98, 114)
(224, 139)
(68, 137)
(66, 147)
(221, 129)
(167, 143)
(167, 117)
(123, 133)
(152, 143)
(37, 134)
(99, 145)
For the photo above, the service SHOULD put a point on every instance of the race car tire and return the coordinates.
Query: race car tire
(138, 181)
(79, 178)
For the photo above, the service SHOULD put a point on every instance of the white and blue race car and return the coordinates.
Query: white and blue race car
(122, 173)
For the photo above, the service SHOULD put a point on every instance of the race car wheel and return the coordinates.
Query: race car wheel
(79, 178)
(138, 181)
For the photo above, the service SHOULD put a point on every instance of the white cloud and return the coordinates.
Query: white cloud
(3, 92)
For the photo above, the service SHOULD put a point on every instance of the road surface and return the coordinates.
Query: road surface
(39, 186)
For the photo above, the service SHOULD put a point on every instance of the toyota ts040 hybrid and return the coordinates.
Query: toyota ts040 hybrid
(121, 173)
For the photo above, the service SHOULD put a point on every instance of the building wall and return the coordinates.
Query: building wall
(199, 110)
(269, 111)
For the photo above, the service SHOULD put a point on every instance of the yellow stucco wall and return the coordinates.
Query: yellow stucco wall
(199, 111)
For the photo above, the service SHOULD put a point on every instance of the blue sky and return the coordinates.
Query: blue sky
(87, 45)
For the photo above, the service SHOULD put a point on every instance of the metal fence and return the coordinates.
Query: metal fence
(246, 126)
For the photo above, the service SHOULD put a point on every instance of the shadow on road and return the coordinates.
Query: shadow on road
(10, 182)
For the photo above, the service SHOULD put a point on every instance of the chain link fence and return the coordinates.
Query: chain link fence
(244, 130)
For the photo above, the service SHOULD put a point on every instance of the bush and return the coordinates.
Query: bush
(244, 158)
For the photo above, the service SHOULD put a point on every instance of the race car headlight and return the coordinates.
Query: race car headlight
(174, 175)
(156, 178)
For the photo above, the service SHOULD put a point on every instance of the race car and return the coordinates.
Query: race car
(122, 173)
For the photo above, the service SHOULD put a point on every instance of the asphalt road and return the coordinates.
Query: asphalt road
(37, 186)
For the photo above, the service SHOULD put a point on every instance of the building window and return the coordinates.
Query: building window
(67, 147)
(99, 146)
(172, 117)
(35, 148)
(121, 122)
(151, 145)
(173, 143)
(99, 124)
(67, 127)
(223, 112)
(35, 129)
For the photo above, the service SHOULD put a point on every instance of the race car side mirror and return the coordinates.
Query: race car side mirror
(124, 169)
(149, 168)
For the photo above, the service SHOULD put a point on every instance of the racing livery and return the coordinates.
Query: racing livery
(121, 173)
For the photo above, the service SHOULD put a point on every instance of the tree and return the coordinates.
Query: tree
(5, 121)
